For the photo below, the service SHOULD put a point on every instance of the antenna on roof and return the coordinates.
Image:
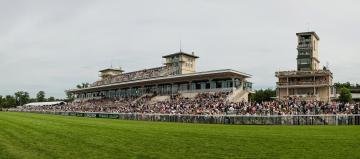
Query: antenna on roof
(308, 26)
(327, 65)
(180, 45)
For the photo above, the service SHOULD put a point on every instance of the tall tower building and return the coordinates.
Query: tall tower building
(180, 63)
(308, 57)
(308, 82)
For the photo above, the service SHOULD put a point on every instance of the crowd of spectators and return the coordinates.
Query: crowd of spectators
(202, 104)
(142, 74)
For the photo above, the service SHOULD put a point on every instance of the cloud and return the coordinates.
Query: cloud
(54, 45)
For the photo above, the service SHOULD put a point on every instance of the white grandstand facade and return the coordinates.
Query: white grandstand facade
(177, 76)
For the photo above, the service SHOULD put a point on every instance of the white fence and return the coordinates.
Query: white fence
(226, 119)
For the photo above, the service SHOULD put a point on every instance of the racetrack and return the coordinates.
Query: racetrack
(27, 135)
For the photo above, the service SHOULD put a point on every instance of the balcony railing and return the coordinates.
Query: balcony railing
(173, 60)
(304, 40)
(302, 83)
(207, 90)
(304, 46)
(292, 73)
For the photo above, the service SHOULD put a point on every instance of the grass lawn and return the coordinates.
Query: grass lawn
(27, 135)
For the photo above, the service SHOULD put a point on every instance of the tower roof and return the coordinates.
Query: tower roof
(111, 69)
(309, 33)
(181, 53)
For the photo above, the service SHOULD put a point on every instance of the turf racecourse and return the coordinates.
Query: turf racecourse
(27, 135)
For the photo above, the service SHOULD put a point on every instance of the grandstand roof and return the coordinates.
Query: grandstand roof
(111, 69)
(44, 103)
(170, 79)
(309, 33)
(180, 53)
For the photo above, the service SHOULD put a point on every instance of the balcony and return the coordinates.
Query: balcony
(304, 40)
(168, 61)
(304, 46)
(302, 84)
(303, 73)
(306, 96)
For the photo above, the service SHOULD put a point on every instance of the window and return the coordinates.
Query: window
(304, 53)
(303, 61)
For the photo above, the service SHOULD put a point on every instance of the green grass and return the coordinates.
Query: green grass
(26, 135)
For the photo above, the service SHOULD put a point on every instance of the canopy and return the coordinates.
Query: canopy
(45, 103)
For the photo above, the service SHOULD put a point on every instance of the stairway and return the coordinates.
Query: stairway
(144, 95)
(159, 99)
(189, 95)
(238, 95)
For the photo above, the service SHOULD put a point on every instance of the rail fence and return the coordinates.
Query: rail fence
(225, 119)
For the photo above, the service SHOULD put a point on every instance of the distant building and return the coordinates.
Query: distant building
(177, 76)
(355, 93)
(308, 82)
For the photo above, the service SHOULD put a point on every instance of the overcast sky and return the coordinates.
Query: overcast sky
(52, 45)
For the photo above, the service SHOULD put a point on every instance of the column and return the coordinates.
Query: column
(172, 88)
(242, 84)
(156, 89)
(212, 84)
(233, 84)
(287, 86)
(189, 86)
(314, 83)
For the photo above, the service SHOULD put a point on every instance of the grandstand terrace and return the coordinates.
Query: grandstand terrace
(176, 77)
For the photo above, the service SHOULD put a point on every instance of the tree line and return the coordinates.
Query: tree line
(22, 97)
(263, 95)
(345, 91)
(348, 85)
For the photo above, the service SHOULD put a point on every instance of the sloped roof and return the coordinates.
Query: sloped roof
(111, 69)
(44, 103)
(309, 33)
(180, 53)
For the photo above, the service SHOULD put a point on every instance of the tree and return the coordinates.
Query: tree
(339, 85)
(32, 100)
(345, 95)
(263, 95)
(70, 96)
(22, 97)
(86, 85)
(83, 85)
(1, 102)
(51, 99)
(357, 85)
(9, 101)
(40, 96)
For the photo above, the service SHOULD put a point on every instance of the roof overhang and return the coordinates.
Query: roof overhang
(111, 69)
(309, 33)
(44, 103)
(180, 53)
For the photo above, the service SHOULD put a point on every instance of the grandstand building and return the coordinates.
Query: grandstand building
(308, 82)
(177, 76)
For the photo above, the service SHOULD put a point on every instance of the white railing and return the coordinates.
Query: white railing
(207, 90)
(339, 119)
